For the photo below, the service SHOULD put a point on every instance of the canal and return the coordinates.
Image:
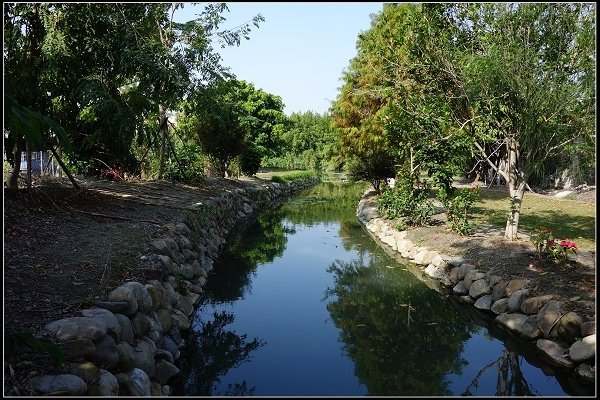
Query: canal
(304, 303)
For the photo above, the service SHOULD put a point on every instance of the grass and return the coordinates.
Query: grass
(568, 219)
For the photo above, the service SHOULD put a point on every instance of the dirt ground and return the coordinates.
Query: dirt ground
(572, 282)
(64, 248)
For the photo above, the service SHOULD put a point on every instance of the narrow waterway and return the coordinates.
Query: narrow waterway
(304, 303)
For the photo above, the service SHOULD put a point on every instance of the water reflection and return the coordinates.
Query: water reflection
(402, 339)
(214, 352)
(511, 380)
(327, 296)
(262, 242)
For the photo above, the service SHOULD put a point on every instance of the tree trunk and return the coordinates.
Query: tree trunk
(13, 177)
(63, 167)
(28, 150)
(517, 192)
(517, 183)
(376, 185)
(57, 157)
(162, 112)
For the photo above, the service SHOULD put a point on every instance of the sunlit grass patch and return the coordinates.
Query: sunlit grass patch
(570, 219)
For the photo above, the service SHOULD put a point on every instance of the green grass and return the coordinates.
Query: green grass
(566, 218)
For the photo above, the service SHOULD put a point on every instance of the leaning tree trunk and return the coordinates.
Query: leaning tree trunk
(162, 111)
(517, 184)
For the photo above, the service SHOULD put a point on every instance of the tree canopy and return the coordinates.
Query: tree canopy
(107, 73)
(434, 85)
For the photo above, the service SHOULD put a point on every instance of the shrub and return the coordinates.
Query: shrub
(546, 245)
(407, 201)
(250, 160)
(458, 204)
(187, 167)
(295, 176)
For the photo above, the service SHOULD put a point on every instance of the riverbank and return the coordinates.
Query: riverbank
(552, 310)
(112, 272)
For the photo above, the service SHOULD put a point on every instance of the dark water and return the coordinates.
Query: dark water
(304, 303)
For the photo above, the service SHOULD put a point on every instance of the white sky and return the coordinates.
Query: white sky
(299, 52)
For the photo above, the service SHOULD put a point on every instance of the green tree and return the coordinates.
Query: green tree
(265, 117)
(102, 71)
(232, 119)
(388, 110)
(308, 142)
(190, 44)
(217, 120)
(432, 83)
(356, 113)
(527, 85)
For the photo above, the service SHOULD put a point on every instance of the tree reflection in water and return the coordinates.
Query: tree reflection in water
(394, 353)
(511, 381)
(214, 351)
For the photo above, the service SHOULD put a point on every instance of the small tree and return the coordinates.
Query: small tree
(375, 168)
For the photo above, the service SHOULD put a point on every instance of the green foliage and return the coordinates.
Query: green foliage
(548, 246)
(458, 204)
(278, 179)
(16, 341)
(250, 159)
(234, 123)
(187, 165)
(432, 83)
(307, 141)
(264, 118)
(373, 168)
(102, 70)
(408, 201)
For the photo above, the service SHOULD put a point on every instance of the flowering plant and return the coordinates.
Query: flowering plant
(545, 244)
(563, 248)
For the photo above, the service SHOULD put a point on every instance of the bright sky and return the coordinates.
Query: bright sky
(299, 52)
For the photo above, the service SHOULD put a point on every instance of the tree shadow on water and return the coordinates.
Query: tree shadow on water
(212, 351)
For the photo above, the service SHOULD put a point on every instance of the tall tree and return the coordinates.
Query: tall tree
(431, 80)
(190, 43)
(308, 142)
(101, 70)
(215, 117)
(526, 80)
(356, 113)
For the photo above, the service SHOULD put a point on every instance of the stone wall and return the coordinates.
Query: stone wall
(128, 344)
(561, 338)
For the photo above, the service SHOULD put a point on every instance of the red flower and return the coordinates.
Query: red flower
(567, 244)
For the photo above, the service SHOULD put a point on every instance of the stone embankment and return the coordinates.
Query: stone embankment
(561, 337)
(129, 343)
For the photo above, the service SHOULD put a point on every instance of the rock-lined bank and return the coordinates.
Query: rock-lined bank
(128, 344)
(559, 336)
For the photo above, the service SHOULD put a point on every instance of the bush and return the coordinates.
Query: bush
(407, 201)
(458, 204)
(250, 160)
(187, 167)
